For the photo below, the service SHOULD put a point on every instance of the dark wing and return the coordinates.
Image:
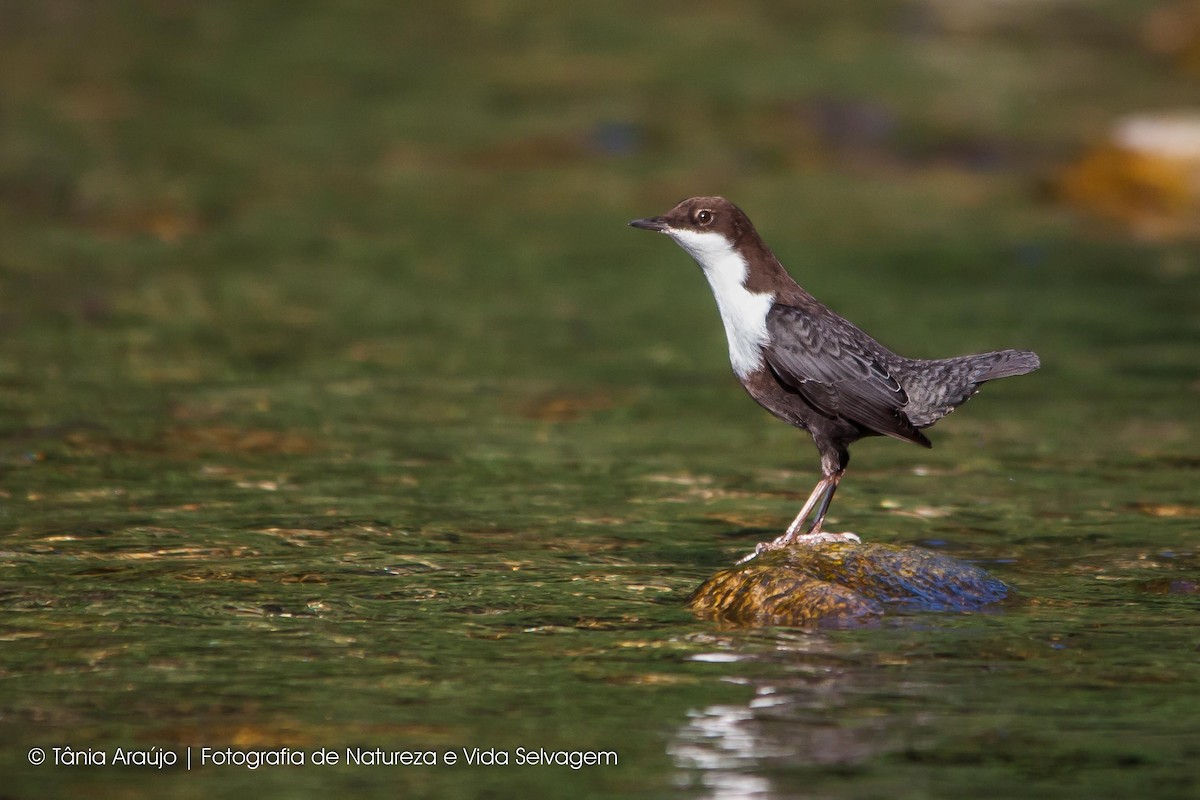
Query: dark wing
(838, 370)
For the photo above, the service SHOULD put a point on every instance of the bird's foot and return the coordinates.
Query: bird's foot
(819, 537)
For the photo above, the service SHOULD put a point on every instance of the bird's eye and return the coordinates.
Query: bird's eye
(704, 217)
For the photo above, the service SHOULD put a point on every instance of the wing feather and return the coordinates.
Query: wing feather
(838, 370)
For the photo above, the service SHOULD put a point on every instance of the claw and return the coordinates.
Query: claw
(801, 541)
(822, 537)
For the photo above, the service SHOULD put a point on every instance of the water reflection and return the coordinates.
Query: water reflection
(804, 720)
(720, 744)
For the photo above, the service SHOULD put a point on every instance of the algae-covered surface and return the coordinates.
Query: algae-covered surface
(341, 413)
(843, 584)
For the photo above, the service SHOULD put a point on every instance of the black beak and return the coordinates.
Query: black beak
(650, 224)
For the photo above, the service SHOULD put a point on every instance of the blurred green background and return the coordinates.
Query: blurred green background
(340, 406)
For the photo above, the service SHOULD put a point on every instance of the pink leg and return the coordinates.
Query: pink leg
(819, 500)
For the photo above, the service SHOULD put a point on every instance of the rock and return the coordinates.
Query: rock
(1145, 175)
(842, 584)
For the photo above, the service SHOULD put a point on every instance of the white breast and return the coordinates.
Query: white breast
(743, 312)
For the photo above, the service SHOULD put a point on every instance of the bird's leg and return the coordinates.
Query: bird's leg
(822, 493)
(823, 508)
(821, 497)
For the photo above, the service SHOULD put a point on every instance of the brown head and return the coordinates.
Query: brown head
(722, 240)
(702, 215)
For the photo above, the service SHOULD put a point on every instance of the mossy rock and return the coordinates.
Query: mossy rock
(843, 584)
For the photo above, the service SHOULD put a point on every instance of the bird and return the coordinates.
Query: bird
(811, 367)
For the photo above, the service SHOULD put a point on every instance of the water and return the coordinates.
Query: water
(349, 425)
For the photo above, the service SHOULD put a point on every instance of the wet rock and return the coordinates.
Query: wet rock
(1144, 175)
(842, 584)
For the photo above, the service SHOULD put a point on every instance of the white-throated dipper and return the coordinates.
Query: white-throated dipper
(811, 367)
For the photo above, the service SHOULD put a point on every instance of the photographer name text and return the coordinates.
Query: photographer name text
(193, 757)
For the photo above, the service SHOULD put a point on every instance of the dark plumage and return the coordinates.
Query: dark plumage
(811, 367)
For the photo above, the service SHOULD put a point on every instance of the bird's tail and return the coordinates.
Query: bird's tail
(944, 384)
(1001, 364)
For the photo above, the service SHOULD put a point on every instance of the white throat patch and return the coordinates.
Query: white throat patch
(743, 312)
